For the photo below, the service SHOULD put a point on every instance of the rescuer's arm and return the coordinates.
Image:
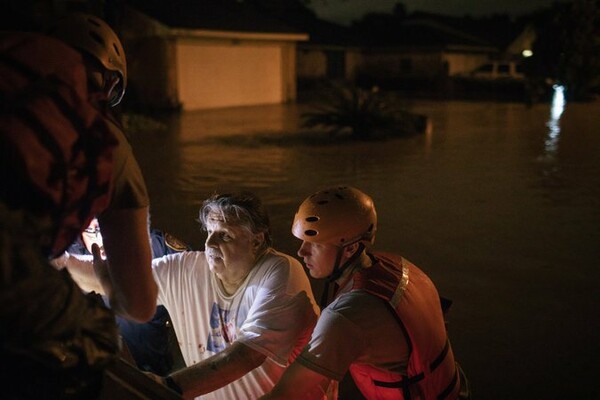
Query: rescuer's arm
(299, 382)
(127, 248)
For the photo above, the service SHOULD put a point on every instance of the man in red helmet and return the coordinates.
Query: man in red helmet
(55, 167)
(125, 223)
(62, 162)
(385, 325)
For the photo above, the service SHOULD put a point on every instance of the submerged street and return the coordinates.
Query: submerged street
(499, 203)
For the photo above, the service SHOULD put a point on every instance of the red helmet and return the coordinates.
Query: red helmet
(56, 149)
(88, 33)
(341, 216)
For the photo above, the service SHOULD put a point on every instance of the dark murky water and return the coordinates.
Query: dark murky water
(499, 203)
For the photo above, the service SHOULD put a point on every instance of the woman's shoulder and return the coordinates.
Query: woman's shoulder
(273, 256)
(183, 260)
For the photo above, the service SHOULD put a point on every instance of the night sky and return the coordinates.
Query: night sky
(344, 11)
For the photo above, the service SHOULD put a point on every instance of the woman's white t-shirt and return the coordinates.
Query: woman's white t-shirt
(273, 312)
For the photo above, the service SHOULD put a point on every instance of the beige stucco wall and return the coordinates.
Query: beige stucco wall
(150, 62)
(195, 69)
(151, 71)
(464, 63)
(312, 63)
(388, 64)
(354, 63)
(213, 74)
(289, 73)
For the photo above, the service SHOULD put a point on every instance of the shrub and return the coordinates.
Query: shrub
(363, 114)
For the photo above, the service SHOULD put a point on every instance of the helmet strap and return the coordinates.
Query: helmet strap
(338, 270)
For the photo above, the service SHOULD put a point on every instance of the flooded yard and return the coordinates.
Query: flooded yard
(499, 203)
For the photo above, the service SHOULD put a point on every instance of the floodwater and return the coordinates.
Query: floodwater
(499, 203)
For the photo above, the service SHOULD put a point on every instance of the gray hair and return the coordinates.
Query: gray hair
(244, 209)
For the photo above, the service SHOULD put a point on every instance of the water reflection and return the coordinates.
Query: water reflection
(556, 110)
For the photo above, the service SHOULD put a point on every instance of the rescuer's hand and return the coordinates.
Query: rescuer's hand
(60, 262)
(165, 381)
(101, 271)
(154, 377)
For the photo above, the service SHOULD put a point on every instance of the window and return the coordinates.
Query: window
(504, 69)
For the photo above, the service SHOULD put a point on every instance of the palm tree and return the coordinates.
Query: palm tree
(363, 114)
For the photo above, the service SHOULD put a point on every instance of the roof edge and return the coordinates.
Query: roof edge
(217, 34)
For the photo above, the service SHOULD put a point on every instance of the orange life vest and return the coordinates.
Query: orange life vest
(56, 148)
(431, 371)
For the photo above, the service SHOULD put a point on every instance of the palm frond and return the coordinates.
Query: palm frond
(361, 113)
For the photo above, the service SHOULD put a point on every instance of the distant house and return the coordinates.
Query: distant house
(411, 50)
(522, 45)
(425, 49)
(200, 55)
(333, 52)
(512, 39)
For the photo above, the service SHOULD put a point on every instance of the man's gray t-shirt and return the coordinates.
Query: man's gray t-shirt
(356, 327)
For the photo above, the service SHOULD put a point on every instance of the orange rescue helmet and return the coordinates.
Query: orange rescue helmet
(340, 215)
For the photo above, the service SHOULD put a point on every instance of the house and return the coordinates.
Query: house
(512, 40)
(201, 54)
(386, 49)
(333, 52)
(423, 49)
(522, 44)
(515, 43)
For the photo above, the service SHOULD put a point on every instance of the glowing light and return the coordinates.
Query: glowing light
(558, 101)
(556, 111)
(527, 53)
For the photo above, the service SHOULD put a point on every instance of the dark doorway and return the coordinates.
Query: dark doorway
(336, 64)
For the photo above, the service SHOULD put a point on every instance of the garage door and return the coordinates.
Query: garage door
(211, 76)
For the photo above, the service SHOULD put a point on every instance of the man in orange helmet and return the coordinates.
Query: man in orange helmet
(385, 325)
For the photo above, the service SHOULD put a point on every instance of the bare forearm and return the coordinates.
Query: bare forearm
(301, 383)
(91, 273)
(91, 278)
(81, 268)
(127, 247)
(218, 370)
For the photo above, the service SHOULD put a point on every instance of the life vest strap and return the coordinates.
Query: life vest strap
(450, 387)
(440, 358)
(401, 383)
(407, 381)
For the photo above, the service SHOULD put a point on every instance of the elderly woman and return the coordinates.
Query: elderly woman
(241, 310)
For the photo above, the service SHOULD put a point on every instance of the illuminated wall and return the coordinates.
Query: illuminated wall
(171, 68)
(221, 74)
